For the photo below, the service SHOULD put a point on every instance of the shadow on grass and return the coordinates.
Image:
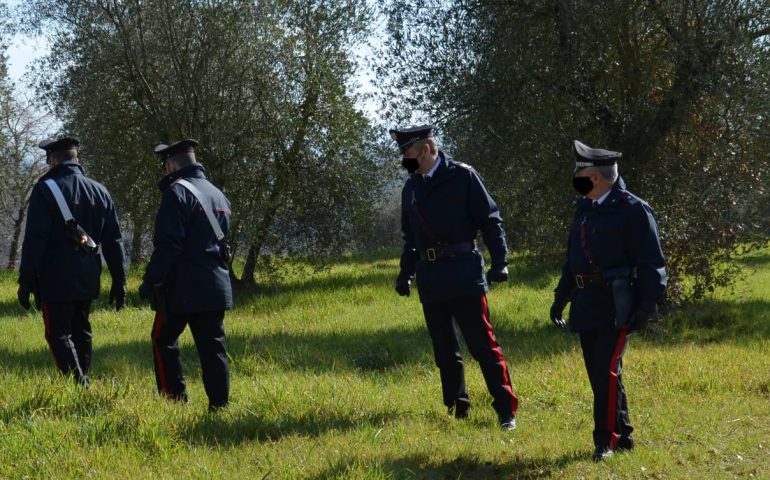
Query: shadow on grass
(714, 321)
(466, 467)
(225, 429)
(376, 351)
(754, 260)
(280, 295)
(381, 350)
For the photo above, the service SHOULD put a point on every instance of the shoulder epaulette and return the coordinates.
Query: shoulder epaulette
(463, 165)
(630, 198)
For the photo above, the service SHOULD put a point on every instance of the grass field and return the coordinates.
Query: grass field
(333, 377)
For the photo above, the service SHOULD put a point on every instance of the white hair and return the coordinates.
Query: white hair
(427, 141)
(609, 172)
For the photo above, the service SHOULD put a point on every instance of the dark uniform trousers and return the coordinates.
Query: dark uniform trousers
(603, 355)
(471, 316)
(209, 335)
(68, 333)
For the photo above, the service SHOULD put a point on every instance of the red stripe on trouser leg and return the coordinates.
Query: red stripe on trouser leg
(499, 353)
(156, 350)
(612, 400)
(47, 323)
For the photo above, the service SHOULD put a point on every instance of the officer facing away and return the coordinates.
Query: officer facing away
(614, 276)
(443, 206)
(70, 219)
(187, 279)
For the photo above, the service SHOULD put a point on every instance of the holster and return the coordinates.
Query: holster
(82, 239)
(225, 251)
(624, 294)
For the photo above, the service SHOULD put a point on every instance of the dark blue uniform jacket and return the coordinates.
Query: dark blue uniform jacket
(619, 234)
(186, 258)
(49, 256)
(449, 208)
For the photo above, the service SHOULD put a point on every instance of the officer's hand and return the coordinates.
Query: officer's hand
(403, 286)
(146, 291)
(642, 315)
(118, 295)
(557, 313)
(497, 274)
(23, 295)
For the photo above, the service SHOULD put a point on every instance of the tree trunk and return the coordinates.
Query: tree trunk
(14, 252)
(256, 247)
(249, 267)
(136, 243)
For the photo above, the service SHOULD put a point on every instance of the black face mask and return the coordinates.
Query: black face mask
(410, 164)
(583, 184)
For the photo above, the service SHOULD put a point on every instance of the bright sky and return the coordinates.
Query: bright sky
(25, 50)
(22, 52)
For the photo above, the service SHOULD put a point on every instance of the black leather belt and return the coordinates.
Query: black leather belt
(590, 280)
(445, 251)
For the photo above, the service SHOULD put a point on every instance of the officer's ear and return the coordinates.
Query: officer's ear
(425, 149)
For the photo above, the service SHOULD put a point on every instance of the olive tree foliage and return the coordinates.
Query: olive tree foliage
(681, 88)
(264, 88)
(21, 162)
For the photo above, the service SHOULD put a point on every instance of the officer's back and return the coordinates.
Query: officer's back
(65, 272)
(187, 258)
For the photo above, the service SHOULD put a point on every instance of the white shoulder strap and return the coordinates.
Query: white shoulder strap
(205, 206)
(63, 207)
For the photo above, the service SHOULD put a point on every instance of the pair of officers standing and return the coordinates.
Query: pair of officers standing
(614, 275)
(71, 218)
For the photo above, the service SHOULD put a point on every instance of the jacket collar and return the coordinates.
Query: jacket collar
(64, 168)
(195, 170)
(611, 201)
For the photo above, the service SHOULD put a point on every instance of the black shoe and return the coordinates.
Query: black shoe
(625, 444)
(508, 424)
(460, 411)
(176, 397)
(602, 453)
(215, 408)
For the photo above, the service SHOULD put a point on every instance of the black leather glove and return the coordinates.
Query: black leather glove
(23, 295)
(642, 315)
(403, 286)
(118, 295)
(497, 273)
(26, 288)
(146, 291)
(557, 312)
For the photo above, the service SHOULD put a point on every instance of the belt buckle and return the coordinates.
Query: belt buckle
(431, 253)
(579, 281)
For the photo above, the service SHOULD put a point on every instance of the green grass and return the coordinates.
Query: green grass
(333, 377)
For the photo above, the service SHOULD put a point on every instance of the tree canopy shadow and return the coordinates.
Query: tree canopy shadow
(225, 428)
(377, 351)
(467, 467)
(713, 321)
(754, 260)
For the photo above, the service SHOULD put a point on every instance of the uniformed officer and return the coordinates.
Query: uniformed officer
(187, 279)
(614, 276)
(70, 219)
(443, 206)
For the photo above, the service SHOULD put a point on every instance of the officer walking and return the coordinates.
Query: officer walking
(614, 276)
(187, 279)
(70, 219)
(443, 206)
